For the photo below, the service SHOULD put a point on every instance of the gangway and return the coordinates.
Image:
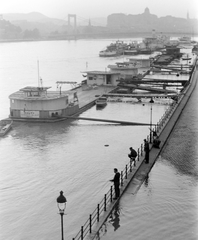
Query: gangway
(110, 121)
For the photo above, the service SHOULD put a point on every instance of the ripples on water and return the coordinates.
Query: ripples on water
(39, 160)
(166, 205)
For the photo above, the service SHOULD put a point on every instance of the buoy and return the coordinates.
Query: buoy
(106, 145)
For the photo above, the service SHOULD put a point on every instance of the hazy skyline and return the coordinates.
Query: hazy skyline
(101, 8)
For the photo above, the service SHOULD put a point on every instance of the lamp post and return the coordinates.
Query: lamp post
(151, 102)
(61, 203)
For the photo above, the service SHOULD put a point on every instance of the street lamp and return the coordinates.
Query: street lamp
(151, 101)
(61, 203)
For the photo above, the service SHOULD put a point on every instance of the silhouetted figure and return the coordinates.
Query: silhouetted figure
(132, 155)
(156, 142)
(154, 133)
(115, 218)
(146, 150)
(116, 181)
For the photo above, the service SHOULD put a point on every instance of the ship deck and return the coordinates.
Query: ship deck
(90, 94)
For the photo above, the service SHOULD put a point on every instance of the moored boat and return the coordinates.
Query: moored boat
(5, 126)
(114, 49)
(39, 105)
(101, 102)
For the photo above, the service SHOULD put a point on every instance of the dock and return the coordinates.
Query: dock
(135, 175)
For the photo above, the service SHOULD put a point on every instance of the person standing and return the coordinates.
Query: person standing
(146, 150)
(116, 181)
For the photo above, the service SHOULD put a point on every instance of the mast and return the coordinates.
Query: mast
(38, 73)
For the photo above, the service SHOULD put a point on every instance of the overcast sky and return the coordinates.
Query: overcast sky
(101, 8)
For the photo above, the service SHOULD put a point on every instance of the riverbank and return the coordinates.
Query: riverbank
(140, 171)
(98, 36)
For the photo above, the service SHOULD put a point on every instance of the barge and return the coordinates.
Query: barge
(40, 105)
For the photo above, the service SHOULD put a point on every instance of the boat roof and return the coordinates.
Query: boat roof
(140, 57)
(34, 89)
(20, 95)
(101, 73)
(182, 77)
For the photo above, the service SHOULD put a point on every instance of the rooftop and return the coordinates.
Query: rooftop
(101, 72)
(21, 94)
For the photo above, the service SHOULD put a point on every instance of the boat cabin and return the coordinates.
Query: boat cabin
(39, 104)
(141, 61)
(102, 78)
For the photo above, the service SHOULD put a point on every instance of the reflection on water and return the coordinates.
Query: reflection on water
(39, 160)
(114, 218)
(166, 205)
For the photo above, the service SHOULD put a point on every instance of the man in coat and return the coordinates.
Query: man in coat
(116, 181)
(132, 155)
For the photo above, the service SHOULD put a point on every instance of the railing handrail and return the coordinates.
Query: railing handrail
(94, 217)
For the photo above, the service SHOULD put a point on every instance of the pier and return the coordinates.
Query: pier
(134, 175)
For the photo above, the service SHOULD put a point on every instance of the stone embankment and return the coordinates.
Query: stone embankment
(135, 175)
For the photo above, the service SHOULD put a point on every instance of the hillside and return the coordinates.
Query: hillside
(32, 17)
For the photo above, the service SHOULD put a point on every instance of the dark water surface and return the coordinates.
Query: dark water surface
(39, 160)
(166, 206)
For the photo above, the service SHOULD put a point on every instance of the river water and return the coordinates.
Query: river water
(40, 160)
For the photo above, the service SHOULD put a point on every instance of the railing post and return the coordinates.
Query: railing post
(126, 172)
(121, 178)
(98, 212)
(90, 223)
(81, 232)
(105, 202)
(111, 194)
(141, 149)
(138, 154)
(130, 165)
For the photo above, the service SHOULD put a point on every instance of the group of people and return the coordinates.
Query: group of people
(132, 155)
(116, 180)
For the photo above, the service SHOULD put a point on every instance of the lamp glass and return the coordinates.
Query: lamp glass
(62, 206)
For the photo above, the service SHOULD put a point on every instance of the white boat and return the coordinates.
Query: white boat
(5, 126)
(106, 53)
(39, 105)
(101, 102)
(114, 49)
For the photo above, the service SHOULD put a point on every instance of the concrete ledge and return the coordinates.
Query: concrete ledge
(141, 170)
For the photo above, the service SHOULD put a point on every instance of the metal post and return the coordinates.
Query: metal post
(151, 125)
(111, 192)
(121, 178)
(105, 202)
(98, 212)
(62, 234)
(130, 165)
(82, 232)
(90, 223)
(138, 154)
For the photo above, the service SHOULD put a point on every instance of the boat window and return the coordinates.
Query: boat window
(90, 78)
(12, 100)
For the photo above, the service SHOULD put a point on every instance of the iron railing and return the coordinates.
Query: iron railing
(108, 197)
